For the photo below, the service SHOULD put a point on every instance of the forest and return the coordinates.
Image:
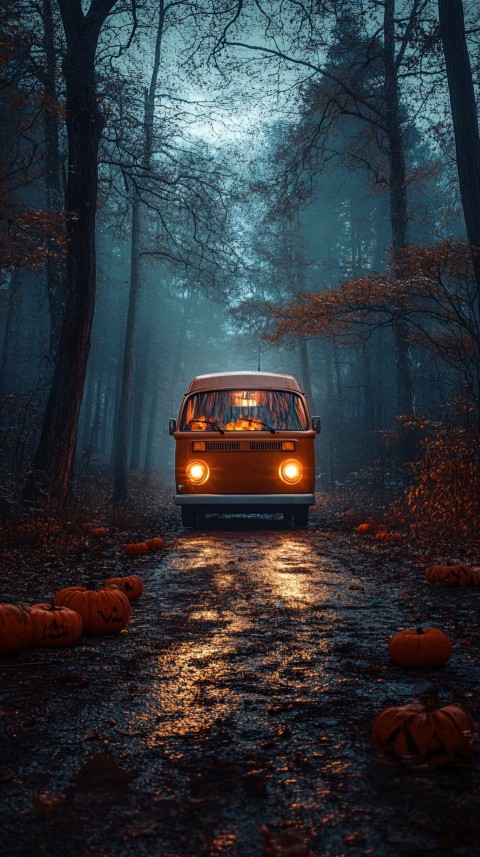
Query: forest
(198, 187)
(193, 187)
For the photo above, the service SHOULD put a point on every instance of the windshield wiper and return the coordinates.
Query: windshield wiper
(264, 425)
(208, 423)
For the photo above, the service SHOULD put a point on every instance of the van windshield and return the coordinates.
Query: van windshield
(244, 410)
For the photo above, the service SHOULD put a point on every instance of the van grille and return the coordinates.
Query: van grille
(222, 445)
(265, 445)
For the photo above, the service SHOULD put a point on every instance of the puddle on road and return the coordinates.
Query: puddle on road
(244, 695)
(247, 630)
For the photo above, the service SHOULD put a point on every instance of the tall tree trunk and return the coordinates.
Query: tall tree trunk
(106, 417)
(368, 401)
(187, 309)
(12, 293)
(398, 208)
(120, 491)
(97, 417)
(84, 436)
(152, 423)
(55, 268)
(305, 366)
(137, 421)
(121, 443)
(465, 121)
(53, 460)
(116, 404)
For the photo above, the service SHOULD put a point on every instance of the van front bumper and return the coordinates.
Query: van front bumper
(244, 499)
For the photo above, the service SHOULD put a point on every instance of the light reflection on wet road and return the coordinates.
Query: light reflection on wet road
(281, 641)
(241, 697)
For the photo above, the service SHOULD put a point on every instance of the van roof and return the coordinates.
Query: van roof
(244, 381)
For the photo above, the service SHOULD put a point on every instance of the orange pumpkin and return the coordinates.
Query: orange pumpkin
(15, 629)
(103, 611)
(364, 528)
(131, 585)
(200, 424)
(242, 425)
(451, 575)
(230, 427)
(420, 648)
(424, 735)
(135, 549)
(155, 544)
(98, 532)
(54, 627)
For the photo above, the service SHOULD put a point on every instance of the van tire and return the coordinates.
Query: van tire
(189, 516)
(300, 517)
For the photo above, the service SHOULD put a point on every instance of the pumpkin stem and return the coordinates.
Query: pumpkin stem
(420, 630)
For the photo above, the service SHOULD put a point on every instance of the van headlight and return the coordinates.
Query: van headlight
(197, 472)
(290, 471)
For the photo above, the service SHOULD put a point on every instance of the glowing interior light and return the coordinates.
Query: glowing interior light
(243, 399)
(291, 471)
(197, 472)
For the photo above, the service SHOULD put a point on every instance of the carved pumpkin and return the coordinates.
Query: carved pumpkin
(15, 629)
(135, 549)
(420, 648)
(424, 735)
(98, 532)
(54, 627)
(155, 544)
(131, 585)
(451, 575)
(199, 424)
(103, 611)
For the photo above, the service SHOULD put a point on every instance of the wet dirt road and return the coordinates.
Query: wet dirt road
(234, 716)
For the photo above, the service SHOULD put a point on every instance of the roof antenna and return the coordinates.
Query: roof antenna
(259, 354)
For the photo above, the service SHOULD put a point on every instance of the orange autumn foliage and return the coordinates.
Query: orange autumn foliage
(423, 294)
(443, 501)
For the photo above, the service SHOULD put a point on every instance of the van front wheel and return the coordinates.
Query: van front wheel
(189, 516)
(300, 517)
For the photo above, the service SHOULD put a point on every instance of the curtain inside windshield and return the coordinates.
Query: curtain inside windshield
(244, 410)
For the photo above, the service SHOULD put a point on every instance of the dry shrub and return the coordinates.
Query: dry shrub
(443, 501)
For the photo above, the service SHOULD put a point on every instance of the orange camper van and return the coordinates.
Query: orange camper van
(245, 442)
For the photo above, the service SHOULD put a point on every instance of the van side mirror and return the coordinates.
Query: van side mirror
(172, 426)
(317, 424)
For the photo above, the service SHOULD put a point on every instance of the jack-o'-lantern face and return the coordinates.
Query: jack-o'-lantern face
(54, 627)
(115, 615)
(131, 585)
(55, 631)
(103, 611)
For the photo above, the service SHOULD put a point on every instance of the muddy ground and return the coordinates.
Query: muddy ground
(232, 716)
